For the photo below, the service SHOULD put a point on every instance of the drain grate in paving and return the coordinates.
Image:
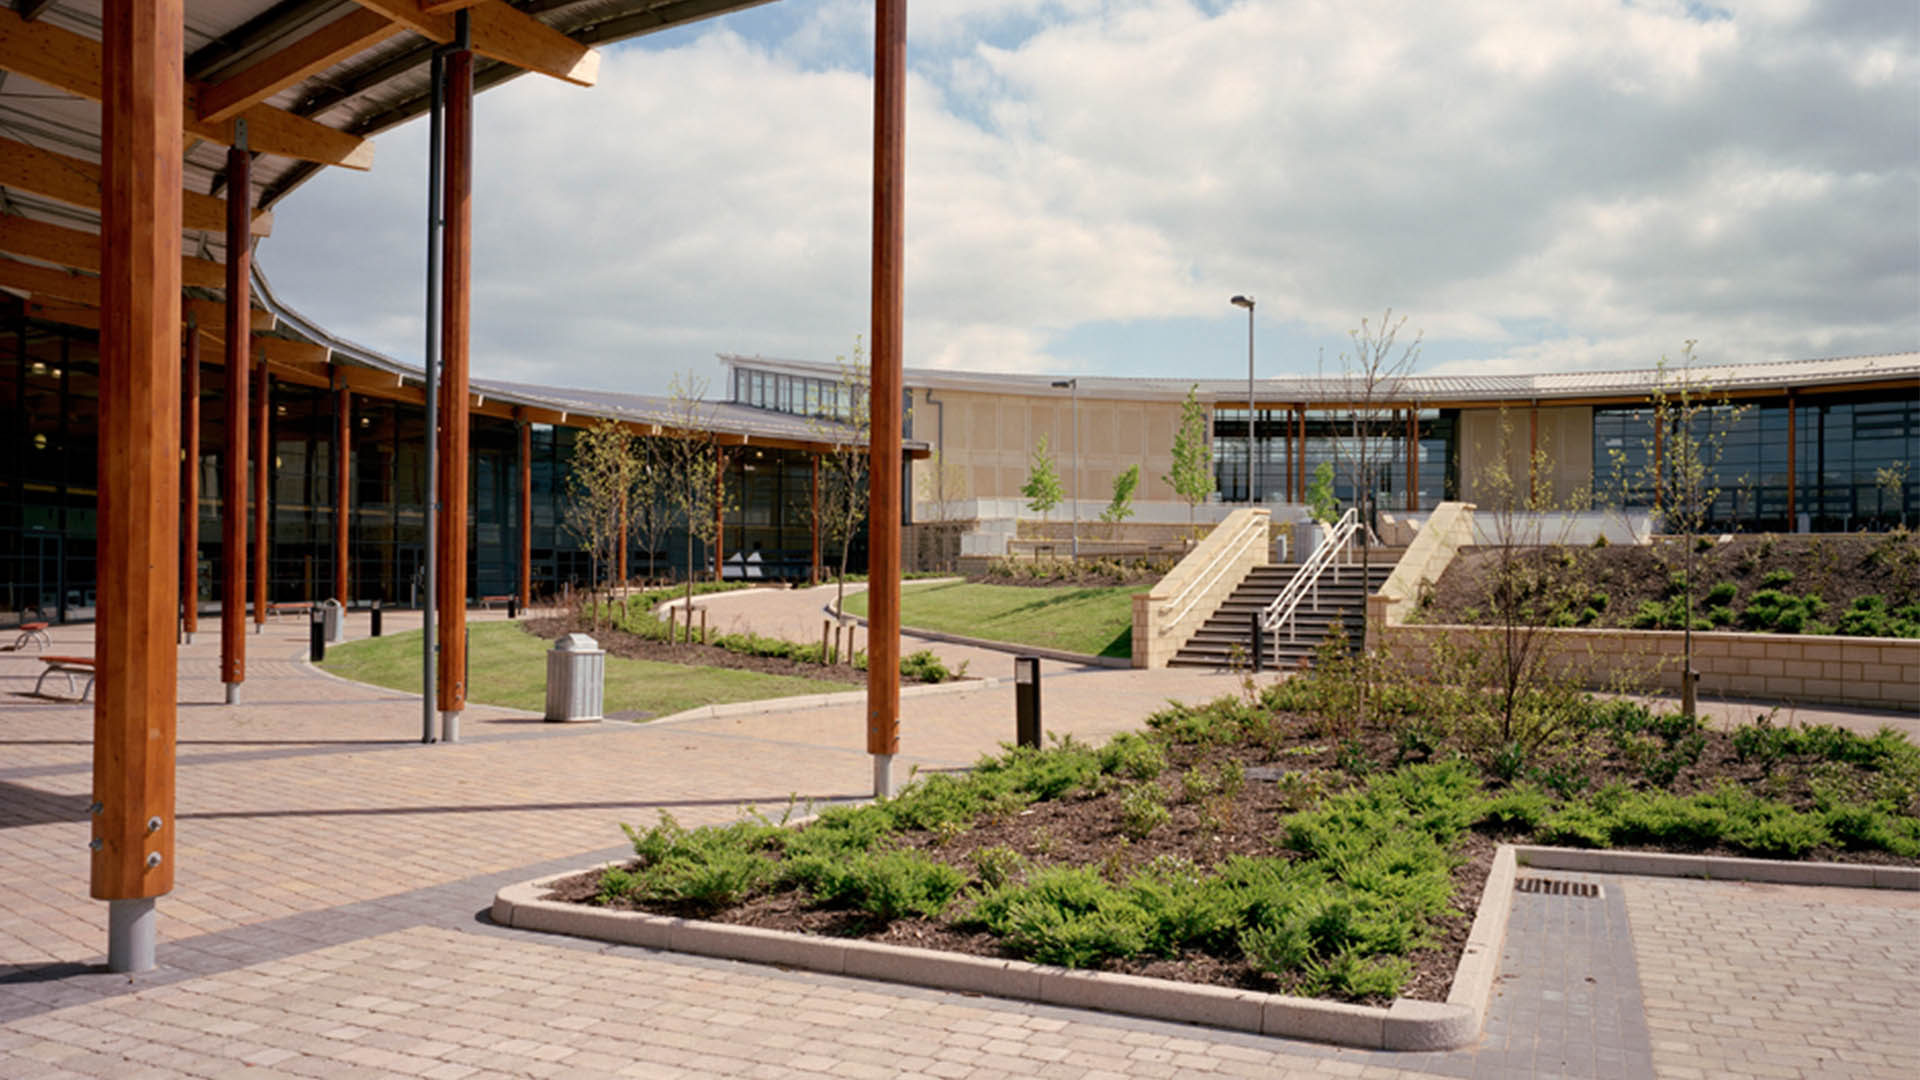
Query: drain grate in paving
(1556, 887)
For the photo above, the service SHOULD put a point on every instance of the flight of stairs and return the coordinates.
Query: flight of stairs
(1214, 645)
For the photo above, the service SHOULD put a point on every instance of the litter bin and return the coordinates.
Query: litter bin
(336, 616)
(576, 679)
(1306, 540)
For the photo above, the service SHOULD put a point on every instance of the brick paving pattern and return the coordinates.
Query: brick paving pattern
(329, 912)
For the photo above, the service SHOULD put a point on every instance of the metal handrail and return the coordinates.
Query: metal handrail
(1307, 581)
(1256, 527)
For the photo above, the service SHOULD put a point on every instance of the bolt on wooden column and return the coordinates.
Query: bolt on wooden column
(139, 473)
(456, 306)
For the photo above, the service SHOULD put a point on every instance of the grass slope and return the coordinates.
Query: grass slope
(1094, 621)
(509, 667)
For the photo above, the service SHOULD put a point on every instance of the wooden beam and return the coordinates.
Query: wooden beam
(237, 345)
(212, 316)
(80, 250)
(348, 36)
(87, 318)
(456, 310)
(190, 487)
(76, 182)
(445, 7)
(47, 282)
(503, 34)
(71, 62)
(138, 551)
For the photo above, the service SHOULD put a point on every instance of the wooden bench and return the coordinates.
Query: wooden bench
(290, 607)
(68, 666)
(487, 602)
(35, 632)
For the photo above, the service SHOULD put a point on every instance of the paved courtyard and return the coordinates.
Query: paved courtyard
(329, 917)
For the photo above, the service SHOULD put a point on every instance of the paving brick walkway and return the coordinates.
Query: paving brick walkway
(334, 874)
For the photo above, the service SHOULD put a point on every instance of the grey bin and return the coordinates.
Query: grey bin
(576, 679)
(335, 614)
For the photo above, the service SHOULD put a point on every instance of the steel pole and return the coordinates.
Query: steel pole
(1253, 465)
(436, 140)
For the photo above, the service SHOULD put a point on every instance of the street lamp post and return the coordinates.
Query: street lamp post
(1074, 385)
(1253, 486)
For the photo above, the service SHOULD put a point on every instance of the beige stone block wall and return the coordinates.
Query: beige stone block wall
(1881, 673)
(990, 438)
(1164, 618)
(1566, 437)
(1432, 550)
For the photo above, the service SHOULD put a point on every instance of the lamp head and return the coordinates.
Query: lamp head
(1243, 301)
(1063, 384)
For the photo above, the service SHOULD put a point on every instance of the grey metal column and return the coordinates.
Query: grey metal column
(130, 934)
(436, 139)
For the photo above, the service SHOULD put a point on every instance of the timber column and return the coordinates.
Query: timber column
(883, 500)
(233, 478)
(456, 308)
(262, 472)
(342, 496)
(139, 474)
(190, 488)
(526, 511)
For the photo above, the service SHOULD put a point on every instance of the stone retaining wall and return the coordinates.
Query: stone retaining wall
(1215, 567)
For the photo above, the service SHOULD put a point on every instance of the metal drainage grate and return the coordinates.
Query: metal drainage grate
(1556, 887)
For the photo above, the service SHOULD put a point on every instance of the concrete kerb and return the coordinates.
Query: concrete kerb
(1720, 868)
(1007, 647)
(1404, 1026)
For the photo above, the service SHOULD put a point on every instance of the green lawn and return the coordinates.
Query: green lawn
(509, 667)
(1097, 622)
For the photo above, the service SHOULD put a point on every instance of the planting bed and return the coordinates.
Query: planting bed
(1253, 843)
(1853, 584)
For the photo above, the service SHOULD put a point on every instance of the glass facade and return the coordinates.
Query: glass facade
(1853, 456)
(49, 406)
(800, 395)
(1331, 437)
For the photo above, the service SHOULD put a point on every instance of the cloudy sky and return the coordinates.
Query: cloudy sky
(1584, 183)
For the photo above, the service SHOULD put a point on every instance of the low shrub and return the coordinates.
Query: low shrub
(887, 885)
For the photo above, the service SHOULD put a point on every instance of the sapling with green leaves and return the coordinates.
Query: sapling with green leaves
(1121, 507)
(1042, 489)
(1191, 476)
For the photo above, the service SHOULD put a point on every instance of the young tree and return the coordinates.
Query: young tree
(1121, 508)
(1042, 489)
(693, 468)
(1191, 477)
(1371, 378)
(945, 488)
(1892, 482)
(598, 483)
(845, 467)
(647, 500)
(1690, 424)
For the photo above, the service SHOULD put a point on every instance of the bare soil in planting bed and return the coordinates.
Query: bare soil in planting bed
(634, 647)
(1837, 568)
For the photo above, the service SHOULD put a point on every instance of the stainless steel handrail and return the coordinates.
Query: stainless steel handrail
(1254, 528)
(1307, 581)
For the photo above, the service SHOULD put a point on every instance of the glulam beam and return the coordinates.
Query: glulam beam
(76, 182)
(345, 37)
(503, 34)
(80, 250)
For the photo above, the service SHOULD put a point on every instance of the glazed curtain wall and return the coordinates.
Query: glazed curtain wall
(1856, 462)
(49, 405)
(1331, 438)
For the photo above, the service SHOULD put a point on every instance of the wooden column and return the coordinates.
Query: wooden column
(456, 305)
(343, 495)
(526, 512)
(1533, 450)
(1793, 474)
(139, 474)
(623, 539)
(719, 512)
(233, 479)
(262, 494)
(883, 518)
(1413, 460)
(190, 486)
(813, 498)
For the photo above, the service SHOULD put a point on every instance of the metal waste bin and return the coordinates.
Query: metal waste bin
(336, 616)
(576, 679)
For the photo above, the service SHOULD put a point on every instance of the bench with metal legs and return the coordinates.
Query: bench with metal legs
(34, 632)
(68, 666)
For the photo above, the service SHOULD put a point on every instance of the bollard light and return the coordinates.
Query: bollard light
(317, 634)
(1026, 700)
(376, 618)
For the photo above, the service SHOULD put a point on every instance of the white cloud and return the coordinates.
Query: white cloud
(1625, 176)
